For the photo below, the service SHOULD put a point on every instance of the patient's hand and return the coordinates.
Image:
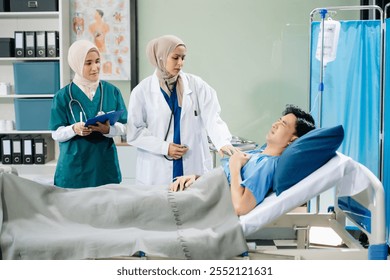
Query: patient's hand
(238, 160)
(183, 182)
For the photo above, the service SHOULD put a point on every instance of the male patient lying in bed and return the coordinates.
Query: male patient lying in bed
(250, 174)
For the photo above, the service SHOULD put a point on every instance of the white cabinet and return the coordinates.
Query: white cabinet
(33, 21)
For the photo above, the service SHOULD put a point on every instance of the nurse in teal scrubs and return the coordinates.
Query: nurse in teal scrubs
(88, 155)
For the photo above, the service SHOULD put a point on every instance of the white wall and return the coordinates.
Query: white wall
(255, 53)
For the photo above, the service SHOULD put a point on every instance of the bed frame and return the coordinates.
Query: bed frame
(359, 198)
(364, 207)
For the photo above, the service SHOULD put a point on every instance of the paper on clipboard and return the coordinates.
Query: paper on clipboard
(112, 116)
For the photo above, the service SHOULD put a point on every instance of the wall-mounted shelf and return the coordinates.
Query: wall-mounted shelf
(51, 163)
(33, 21)
(25, 132)
(13, 96)
(40, 15)
(15, 59)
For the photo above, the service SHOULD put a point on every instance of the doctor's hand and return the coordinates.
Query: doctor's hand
(103, 128)
(228, 150)
(176, 151)
(81, 130)
(183, 182)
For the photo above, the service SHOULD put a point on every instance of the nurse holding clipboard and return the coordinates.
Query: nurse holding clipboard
(88, 155)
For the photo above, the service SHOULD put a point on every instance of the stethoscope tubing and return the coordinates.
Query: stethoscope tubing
(170, 121)
(72, 100)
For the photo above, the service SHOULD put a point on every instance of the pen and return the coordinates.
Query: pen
(81, 117)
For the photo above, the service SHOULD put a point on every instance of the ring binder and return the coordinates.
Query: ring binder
(39, 148)
(6, 151)
(29, 38)
(19, 43)
(27, 150)
(16, 150)
(43, 149)
(52, 43)
(40, 37)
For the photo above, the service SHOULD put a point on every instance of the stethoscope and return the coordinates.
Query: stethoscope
(170, 121)
(72, 100)
(196, 113)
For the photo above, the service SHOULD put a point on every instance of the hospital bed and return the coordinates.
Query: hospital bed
(359, 198)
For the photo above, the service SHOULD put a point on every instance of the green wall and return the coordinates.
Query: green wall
(254, 53)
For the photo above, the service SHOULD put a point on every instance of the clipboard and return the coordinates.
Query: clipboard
(112, 116)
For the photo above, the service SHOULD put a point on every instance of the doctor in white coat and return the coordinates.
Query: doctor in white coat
(170, 116)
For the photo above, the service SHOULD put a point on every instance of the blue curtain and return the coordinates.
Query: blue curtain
(352, 95)
(386, 128)
(352, 92)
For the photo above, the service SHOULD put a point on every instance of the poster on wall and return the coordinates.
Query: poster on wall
(106, 23)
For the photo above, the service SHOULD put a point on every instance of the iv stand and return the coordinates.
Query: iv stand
(323, 13)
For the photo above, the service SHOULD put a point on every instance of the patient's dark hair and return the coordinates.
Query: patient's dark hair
(305, 121)
(101, 13)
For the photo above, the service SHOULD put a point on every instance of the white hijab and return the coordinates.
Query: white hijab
(76, 57)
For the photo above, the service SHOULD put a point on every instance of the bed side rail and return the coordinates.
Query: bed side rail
(373, 199)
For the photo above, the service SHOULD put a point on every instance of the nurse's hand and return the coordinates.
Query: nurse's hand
(81, 130)
(228, 150)
(103, 128)
(183, 182)
(176, 151)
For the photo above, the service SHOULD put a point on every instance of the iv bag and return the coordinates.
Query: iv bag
(331, 39)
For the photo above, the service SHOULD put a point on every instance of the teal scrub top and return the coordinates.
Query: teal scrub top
(257, 174)
(91, 160)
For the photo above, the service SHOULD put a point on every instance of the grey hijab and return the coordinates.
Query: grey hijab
(157, 51)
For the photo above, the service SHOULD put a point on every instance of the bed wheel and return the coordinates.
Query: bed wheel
(140, 254)
(388, 251)
(363, 239)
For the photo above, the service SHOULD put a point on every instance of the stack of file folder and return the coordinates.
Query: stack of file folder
(26, 149)
(36, 43)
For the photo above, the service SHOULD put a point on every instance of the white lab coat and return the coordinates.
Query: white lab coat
(148, 120)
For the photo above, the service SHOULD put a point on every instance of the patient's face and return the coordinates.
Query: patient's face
(282, 131)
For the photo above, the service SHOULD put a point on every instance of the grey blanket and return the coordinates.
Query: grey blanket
(46, 222)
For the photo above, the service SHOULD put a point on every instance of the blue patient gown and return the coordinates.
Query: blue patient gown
(91, 160)
(257, 174)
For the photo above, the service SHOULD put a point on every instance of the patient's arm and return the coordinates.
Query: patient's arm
(242, 198)
(183, 182)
